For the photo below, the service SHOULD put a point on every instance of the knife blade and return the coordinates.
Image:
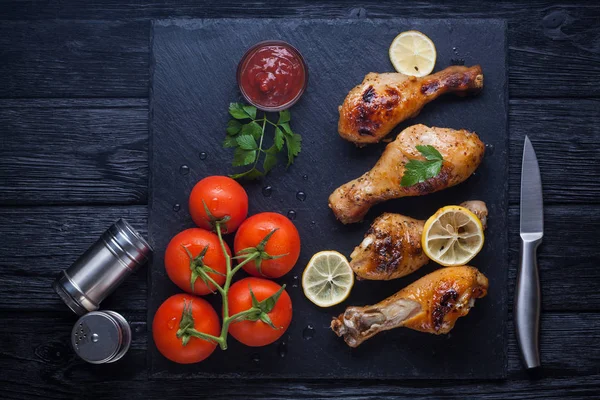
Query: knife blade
(527, 295)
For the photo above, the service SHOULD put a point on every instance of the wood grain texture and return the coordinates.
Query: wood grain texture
(73, 58)
(74, 151)
(37, 345)
(551, 45)
(566, 137)
(37, 243)
(46, 52)
(106, 142)
(31, 258)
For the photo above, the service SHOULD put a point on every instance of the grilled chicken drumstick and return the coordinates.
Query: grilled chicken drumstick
(432, 304)
(462, 152)
(392, 246)
(372, 109)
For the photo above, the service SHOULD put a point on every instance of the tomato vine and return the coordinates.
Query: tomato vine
(259, 310)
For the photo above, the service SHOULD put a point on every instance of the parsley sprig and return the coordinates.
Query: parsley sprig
(417, 171)
(246, 133)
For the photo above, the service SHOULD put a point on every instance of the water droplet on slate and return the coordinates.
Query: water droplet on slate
(255, 357)
(176, 207)
(301, 195)
(295, 280)
(184, 170)
(282, 349)
(489, 149)
(312, 222)
(309, 332)
(305, 177)
(95, 337)
(291, 215)
(267, 190)
(172, 323)
(203, 155)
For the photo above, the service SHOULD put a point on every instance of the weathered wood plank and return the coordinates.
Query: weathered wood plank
(74, 58)
(551, 46)
(74, 151)
(49, 240)
(566, 137)
(568, 259)
(38, 351)
(106, 143)
(37, 243)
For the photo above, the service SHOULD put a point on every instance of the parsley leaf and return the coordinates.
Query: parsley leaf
(233, 127)
(430, 153)
(278, 140)
(251, 111)
(270, 160)
(230, 141)
(293, 143)
(250, 174)
(237, 111)
(246, 142)
(246, 133)
(253, 129)
(417, 171)
(243, 157)
(284, 116)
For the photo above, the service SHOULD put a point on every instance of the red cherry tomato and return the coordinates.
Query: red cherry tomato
(177, 259)
(258, 333)
(223, 197)
(166, 323)
(285, 240)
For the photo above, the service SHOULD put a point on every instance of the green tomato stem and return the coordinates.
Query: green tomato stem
(215, 284)
(188, 329)
(225, 289)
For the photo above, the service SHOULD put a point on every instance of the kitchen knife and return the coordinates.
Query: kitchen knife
(527, 296)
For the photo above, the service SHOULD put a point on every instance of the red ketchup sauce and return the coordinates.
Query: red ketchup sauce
(272, 75)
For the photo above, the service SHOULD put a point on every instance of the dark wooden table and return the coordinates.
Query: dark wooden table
(74, 158)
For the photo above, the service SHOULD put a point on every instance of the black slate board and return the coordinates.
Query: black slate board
(193, 80)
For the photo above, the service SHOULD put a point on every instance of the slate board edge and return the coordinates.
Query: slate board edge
(197, 22)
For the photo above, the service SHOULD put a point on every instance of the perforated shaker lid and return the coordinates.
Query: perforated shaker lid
(101, 337)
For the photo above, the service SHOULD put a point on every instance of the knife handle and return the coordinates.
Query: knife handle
(528, 302)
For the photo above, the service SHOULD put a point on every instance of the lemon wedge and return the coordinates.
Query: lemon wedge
(413, 53)
(452, 236)
(327, 279)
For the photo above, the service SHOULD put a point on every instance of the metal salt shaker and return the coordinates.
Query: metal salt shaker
(101, 337)
(97, 273)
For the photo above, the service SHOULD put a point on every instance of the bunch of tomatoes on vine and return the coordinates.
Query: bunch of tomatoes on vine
(256, 311)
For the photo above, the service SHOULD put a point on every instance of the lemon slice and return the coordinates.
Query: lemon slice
(452, 236)
(413, 53)
(327, 279)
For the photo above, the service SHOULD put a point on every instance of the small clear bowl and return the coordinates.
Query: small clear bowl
(251, 51)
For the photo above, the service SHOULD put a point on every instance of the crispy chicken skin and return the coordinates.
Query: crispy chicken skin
(392, 246)
(372, 109)
(462, 152)
(432, 304)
